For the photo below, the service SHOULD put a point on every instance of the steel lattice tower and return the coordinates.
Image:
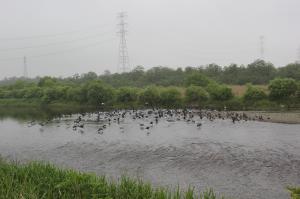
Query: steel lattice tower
(25, 73)
(298, 55)
(123, 64)
(262, 47)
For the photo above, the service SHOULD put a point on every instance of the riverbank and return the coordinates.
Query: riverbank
(41, 180)
(291, 117)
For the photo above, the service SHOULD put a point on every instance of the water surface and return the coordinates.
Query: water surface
(246, 159)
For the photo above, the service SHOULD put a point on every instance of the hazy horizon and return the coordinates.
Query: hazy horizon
(61, 38)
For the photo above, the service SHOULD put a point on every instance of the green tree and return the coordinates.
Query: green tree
(254, 94)
(47, 82)
(50, 95)
(170, 97)
(259, 72)
(195, 95)
(33, 92)
(197, 79)
(150, 96)
(290, 71)
(282, 88)
(89, 76)
(98, 93)
(219, 92)
(127, 95)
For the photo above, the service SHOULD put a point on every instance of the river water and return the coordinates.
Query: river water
(243, 160)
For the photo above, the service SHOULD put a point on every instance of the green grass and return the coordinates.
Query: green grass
(295, 192)
(40, 180)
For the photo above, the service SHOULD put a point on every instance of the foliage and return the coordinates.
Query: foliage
(196, 95)
(295, 192)
(290, 71)
(150, 96)
(38, 180)
(163, 87)
(254, 94)
(170, 97)
(47, 82)
(282, 88)
(98, 93)
(127, 95)
(197, 79)
(257, 72)
(219, 92)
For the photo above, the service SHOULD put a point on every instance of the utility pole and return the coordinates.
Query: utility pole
(262, 47)
(123, 64)
(25, 73)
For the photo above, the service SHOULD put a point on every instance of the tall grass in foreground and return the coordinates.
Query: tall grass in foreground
(295, 192)
(39, 180)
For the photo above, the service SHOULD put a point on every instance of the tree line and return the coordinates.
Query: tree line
(198, 90)
(258, 72)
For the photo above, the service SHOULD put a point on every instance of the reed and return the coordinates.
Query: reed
(43, 180)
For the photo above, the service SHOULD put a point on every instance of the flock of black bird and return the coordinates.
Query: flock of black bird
(148, 118)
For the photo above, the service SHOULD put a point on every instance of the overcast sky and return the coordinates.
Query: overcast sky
(64, 37)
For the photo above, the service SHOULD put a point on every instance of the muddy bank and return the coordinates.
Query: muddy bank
(292, 117)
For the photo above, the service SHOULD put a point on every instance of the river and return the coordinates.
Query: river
(242, 160)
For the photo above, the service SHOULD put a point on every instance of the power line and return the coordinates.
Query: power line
(123, 52)
(54, 34)
(58, 52)
(54, 43)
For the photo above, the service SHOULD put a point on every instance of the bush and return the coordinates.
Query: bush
(254, 94)
(219, 92)
(298, 92)
(47, 82)
(98, 93)
(33, 92)
(127, 95)
(282, 88)
(197, 79)
(195, 95)
(150, 96)
(76, 94)
(51, 94)
(170, 97)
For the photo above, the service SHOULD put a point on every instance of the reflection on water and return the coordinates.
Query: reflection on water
(246, 159)
(38, 113)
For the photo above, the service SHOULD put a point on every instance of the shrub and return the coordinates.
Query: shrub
(33, 92)
(150, 96)
(170, 97)
(127, 95)
(197, 79)
(254, 94)
(76, 94)
(219, 92)
(195, 94)
(98, 93)
(51, 94)
(282, 88)
(47, 82)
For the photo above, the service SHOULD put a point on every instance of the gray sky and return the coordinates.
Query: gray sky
(64, 37)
